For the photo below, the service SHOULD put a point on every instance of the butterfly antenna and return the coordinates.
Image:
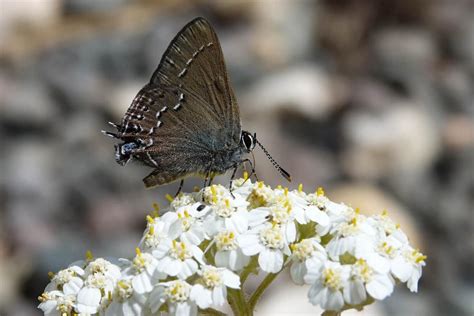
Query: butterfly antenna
(282, 171)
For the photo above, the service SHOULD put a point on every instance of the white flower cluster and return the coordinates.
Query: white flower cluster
(207, 240)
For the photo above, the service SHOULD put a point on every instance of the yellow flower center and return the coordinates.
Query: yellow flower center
(177, 291)
(303, 250)
(332, 279)
(362, 271)
(272, 237)
(141, 260)
(225, 241)
(211, 278)
(180, 251)
(224, 209)
(124, 290)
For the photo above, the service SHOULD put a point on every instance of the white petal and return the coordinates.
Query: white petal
(290, 232)
(378, 263)
(299, 215)
(142, 283)
(380, 287)
(188, 268)
(183, 309)
(162, 249)
(401, 269)
(133, 307)
(156, 298)
(238, 222)
(73, 286)
(218, 295)
(236, 259)
(355, 293)
(193, 236)
(257, 216)
(314, 268)
(197, 253)
(114, 309)
(231, 279)
(88, 300)
(270, 260)
(250, 244)
(413, 280)
(316, 215)
(222, 259)
(170, 266)
(297, 272)
(49, 307)
(201, 296)
(334, 301)
(317, 293)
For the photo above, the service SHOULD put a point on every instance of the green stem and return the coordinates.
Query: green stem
(238, 303)
(211, 311)
(251, 267)
(261, 288)
(331, 313)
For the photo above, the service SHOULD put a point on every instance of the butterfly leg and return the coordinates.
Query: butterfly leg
(211, 178)
(252, 173)
(232, 179)
(180, 187)
(204, 185)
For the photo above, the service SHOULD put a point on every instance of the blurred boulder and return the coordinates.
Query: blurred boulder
(306, 89)
(394, 141)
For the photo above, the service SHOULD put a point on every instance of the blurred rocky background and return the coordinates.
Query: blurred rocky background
(372, 100)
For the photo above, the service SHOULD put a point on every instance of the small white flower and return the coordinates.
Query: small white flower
(88, 300)
(242, 186)
(100, 277)
(228, 214)
(126, 301)
(177, 296)
(379, 253)
(101, 274)
(260, 195)
(178, 258)
(57, 302)
(349, 236)
(158, 229)
(183, 199)
(67, 280)
(280, 211)
(269, 242)
(142, 270)
(327, 284)
(228, 253)
(191, 228)
(211, 288)
(363, 278)
(407, 267)
(307, 210)
(307, 249)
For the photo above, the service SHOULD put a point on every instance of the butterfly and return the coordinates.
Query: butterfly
(186, 120)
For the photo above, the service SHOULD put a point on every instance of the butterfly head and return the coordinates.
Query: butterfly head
(123, 152)
(248, 141)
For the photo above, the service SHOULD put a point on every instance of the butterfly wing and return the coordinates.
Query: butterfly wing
(195, 62)
(186, 113)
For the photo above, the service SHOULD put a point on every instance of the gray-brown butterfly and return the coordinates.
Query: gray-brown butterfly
(186, 121)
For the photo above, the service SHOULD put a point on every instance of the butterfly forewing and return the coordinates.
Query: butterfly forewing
(187, 112)
(194, 62)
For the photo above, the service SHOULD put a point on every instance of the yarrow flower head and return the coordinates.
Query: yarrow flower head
(199, 251)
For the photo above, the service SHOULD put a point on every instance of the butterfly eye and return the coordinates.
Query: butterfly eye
(248, 141)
